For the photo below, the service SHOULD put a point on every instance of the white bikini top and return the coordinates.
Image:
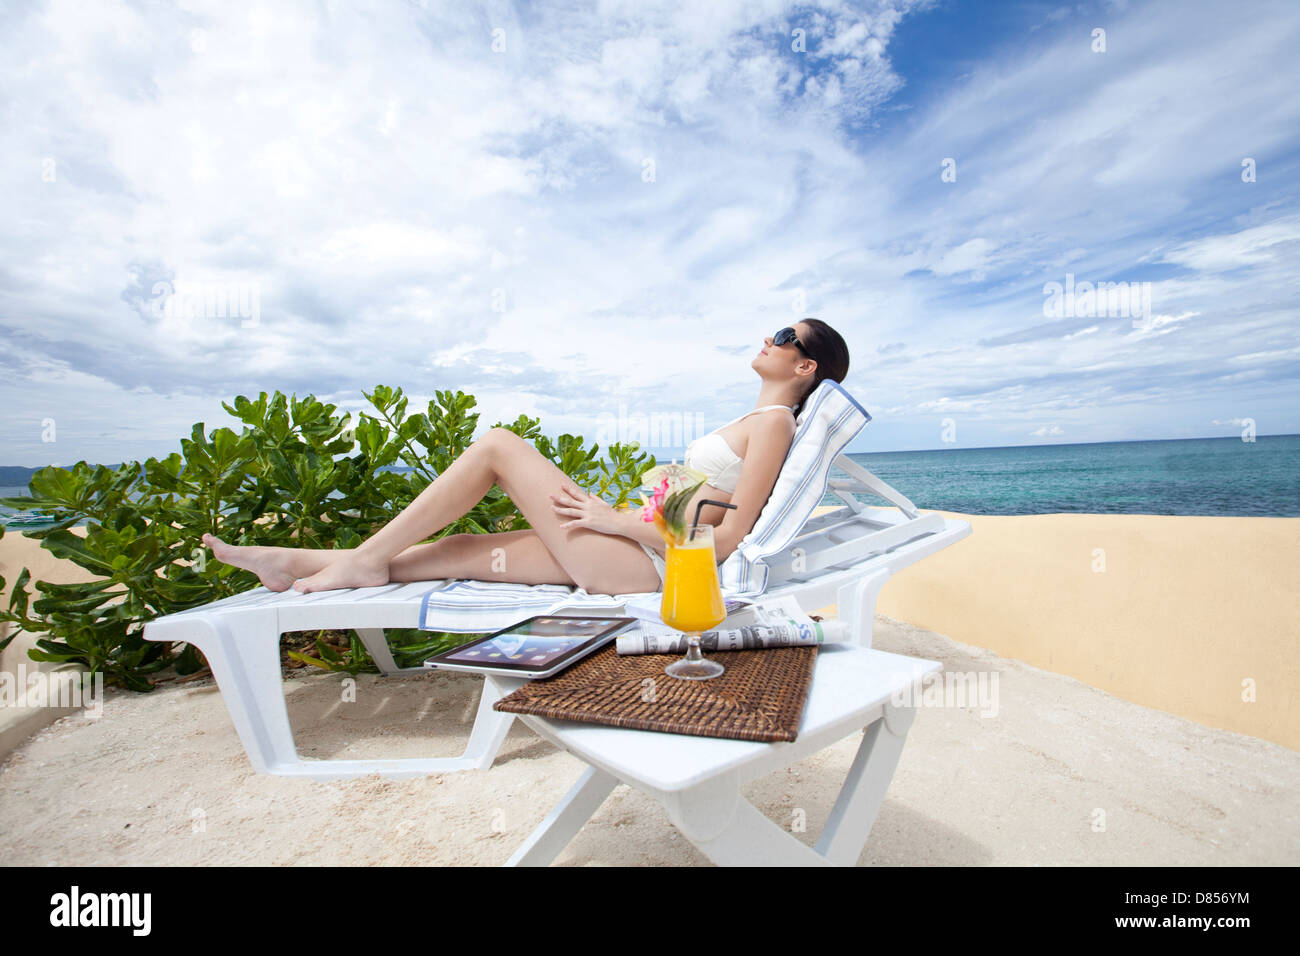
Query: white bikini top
(712, 455)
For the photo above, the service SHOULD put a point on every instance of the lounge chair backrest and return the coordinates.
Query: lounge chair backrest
(830, 419)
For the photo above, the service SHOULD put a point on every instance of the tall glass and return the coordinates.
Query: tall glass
(693, 600)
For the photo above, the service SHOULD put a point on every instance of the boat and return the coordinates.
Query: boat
(26, 518)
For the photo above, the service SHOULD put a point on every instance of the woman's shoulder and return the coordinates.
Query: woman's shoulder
(776, 427)
(772, 412)
(775, 416)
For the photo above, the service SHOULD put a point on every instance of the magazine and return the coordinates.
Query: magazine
(775, 623)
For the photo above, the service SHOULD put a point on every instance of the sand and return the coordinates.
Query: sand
(1064, 774)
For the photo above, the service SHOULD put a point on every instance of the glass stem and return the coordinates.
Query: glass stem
(693, 648)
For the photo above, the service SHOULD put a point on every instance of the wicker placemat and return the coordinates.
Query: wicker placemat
(760, 697)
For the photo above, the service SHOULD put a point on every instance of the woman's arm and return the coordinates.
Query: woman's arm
(630, 525)
(585, 510)
(769, 442)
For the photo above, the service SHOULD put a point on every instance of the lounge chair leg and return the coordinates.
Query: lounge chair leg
(730, 831)
(243, 650)
(856, 605)
(859, 800)
(562, 824)
(490, 726)
(377, 646)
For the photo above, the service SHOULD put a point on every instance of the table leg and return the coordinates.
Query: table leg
(730, 830)
(563, 823)
(859, 800)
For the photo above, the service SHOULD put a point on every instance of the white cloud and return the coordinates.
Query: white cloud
(422, 211)
(1272, 355)
(970, 256)
(394, 242)
(1158, 323)
(1248, 247)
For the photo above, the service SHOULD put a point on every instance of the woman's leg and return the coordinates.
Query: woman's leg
(447, 497)
(599, 562)
(518, 556)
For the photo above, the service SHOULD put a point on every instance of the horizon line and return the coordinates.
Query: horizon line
(1113, 441)
(1109, 441)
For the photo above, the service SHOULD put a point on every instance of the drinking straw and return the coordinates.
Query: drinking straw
(703, 502)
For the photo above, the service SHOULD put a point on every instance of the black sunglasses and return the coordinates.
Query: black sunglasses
(787, 336)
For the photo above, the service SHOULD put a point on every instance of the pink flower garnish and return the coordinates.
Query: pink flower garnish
(656, 504)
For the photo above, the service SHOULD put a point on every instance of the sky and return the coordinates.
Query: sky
(585, 211)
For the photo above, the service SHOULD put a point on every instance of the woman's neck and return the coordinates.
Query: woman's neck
(777, 394)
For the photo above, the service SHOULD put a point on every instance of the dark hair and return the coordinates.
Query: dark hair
(826, 347)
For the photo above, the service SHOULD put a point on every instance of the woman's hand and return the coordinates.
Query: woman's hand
(585, 510)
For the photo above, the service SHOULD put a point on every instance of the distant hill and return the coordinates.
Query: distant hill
(13, 475)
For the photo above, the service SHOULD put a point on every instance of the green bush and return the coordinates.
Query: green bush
(275, 482)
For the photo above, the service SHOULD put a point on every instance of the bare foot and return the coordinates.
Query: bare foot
(347, 572)
(266, 563)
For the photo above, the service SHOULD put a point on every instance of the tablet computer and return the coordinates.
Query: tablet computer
(540, 646)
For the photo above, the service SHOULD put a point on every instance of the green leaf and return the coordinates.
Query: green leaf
(309, 660)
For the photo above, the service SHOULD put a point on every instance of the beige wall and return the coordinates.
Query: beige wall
(1185, 610)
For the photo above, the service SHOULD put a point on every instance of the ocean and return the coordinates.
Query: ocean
(1192, 476)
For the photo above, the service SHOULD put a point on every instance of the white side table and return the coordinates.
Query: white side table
(698, 779)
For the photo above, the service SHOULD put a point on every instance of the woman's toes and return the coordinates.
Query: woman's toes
(343, 574)
(306, 585)
(219, 547)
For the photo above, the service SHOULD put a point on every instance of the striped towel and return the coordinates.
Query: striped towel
(830, 419)
(481, 607)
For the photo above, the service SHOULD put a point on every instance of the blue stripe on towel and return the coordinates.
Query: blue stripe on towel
(479, 607)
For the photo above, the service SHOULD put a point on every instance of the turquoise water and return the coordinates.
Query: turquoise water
(13, 491)
(1194, 476)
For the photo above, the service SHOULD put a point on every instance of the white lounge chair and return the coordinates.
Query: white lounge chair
(841, 557)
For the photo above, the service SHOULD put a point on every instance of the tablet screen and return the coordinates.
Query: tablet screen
(536, 643)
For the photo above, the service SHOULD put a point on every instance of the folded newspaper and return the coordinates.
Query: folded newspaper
(773, 623)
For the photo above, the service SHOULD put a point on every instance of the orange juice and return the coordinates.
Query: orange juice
(692, 596)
